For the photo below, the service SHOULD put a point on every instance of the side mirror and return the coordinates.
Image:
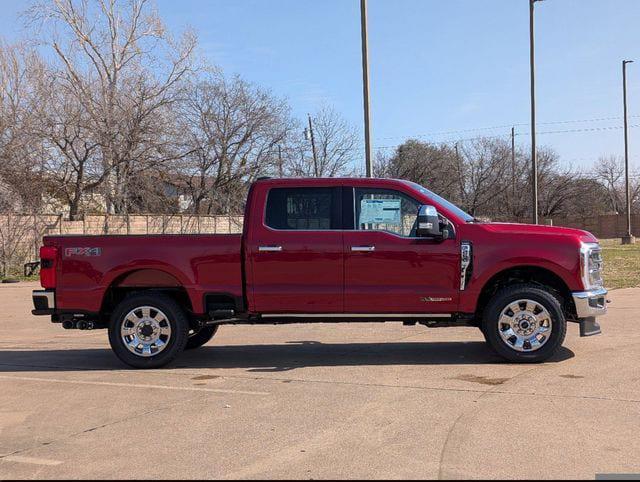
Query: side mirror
(428, 223)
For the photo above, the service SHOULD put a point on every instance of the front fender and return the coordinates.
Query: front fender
(484, 273)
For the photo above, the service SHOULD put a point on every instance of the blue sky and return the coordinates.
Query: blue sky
(436, 65)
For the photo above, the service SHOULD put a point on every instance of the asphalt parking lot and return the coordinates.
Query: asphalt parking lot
(317, 401)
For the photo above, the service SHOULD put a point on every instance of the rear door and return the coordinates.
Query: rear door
(296, 251)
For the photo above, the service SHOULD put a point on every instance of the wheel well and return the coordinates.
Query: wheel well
(527, 274)
(116, 294)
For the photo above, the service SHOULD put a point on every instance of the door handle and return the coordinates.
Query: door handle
(269, 249)
(363, 249)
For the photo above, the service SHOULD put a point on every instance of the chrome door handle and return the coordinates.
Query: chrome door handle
(269, 249)
(364, 249)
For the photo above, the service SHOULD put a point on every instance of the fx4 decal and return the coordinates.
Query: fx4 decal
(68, 252)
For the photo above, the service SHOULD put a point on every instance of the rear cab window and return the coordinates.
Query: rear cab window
(304, 209)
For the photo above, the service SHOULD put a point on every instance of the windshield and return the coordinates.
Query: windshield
(443, 202)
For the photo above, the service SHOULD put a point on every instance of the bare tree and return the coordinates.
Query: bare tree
(557, 184)
(232, 133)
(430, 165)
(485, 164)
(609, 171)
(123, 69)
(336, 144)
(71, 165)
(19, 149)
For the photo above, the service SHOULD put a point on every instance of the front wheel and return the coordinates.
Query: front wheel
(524, 323)
(148, 330)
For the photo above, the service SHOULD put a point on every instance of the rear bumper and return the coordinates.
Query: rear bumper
(589, 305)
(44, 302)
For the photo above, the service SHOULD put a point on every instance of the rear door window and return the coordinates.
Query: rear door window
(304, 209)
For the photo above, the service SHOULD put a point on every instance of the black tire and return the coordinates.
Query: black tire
(493, 311)
(176, 318)
(200, 337)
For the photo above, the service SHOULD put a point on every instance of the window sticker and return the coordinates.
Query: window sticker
(380, 211)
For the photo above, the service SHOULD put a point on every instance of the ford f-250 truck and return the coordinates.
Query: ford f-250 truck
(329, 250)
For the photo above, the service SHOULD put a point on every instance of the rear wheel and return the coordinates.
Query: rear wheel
(524, 323)
(148, 330)
(200, 337)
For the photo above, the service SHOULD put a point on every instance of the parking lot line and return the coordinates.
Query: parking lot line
(30, 460)
(133, 385)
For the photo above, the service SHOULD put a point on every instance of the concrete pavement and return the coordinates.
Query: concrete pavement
(317, 401)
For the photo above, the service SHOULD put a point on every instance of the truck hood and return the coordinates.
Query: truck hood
(529, 229)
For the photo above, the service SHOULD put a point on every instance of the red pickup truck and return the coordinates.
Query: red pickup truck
(329, 250)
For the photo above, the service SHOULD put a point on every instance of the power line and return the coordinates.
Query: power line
(506, 135)
(507, 126)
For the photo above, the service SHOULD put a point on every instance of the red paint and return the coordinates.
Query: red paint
(316, 271)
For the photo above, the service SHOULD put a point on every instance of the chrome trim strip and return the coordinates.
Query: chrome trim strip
(584, 301)
(363, 249)
(353, 315)
(465, 262)
(269, 249)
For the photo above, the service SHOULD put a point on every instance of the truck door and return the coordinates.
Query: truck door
(296, 252)
(387, 268)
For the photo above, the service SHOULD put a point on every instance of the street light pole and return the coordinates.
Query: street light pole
(312, 138)
(534, 153)
(365, 87)
(628, 237)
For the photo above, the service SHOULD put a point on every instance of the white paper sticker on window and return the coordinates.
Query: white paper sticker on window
(380, 211)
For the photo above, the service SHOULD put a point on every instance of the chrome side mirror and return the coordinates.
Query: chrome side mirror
(428, 223)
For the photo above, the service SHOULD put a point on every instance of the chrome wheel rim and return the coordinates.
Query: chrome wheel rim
(145, 331)
(525, 325)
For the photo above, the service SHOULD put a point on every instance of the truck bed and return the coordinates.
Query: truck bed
(89, 265)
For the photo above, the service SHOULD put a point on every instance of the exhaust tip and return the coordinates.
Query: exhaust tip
(68, 325)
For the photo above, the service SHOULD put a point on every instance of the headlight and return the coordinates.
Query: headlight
(591, 265)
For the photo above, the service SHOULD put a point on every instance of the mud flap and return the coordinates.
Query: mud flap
(589, 326)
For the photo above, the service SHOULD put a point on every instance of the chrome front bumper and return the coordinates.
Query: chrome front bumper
(590, 303)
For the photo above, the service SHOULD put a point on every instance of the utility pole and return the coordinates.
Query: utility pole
(513, 166)
(313, 148)
(534, 153)
(365, 87)
(628, 238)
(280, 171)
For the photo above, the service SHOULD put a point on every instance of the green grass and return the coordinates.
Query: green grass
(621, 264)
(22, 278)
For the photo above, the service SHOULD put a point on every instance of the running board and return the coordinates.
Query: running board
(389, 316)
(432, 320)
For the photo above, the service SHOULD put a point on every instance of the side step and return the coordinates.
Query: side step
(222, 314)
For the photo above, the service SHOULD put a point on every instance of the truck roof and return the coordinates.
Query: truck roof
(330, 181)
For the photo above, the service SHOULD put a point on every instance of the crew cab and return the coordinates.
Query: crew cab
(329, 250)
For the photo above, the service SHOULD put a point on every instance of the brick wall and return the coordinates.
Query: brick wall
(604, 226)
(21, 235)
